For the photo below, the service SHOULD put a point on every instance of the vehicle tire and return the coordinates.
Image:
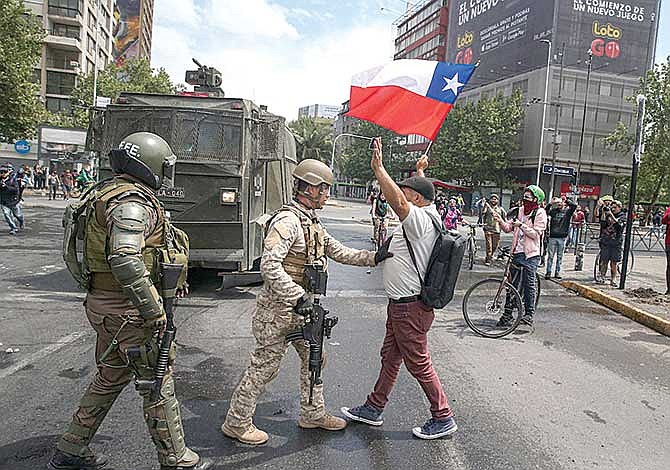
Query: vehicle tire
(482, 308)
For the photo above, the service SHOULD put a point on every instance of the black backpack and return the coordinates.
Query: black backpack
(444, 266)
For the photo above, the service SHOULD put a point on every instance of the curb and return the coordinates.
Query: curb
(640, 316)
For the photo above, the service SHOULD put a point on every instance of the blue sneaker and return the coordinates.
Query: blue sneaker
(434, 429)
(367, 414)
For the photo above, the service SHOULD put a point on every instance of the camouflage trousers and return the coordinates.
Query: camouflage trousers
(269, 330)
(115, 320)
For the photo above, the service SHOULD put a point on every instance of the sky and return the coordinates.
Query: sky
(287, 53)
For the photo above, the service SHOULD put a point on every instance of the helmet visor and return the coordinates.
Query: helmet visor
(169, 166)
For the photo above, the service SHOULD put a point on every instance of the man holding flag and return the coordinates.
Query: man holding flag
(408, 97)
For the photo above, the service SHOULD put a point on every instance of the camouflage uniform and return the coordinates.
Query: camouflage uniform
(282, 268)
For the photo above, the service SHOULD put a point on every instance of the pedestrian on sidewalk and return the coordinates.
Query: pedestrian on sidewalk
(666, 221)
(452, 215)
(491, 226)
(68, 182)
(408, 318)
(560, 212)
(528, 229)
(54, 184)
(612, 224)
(576, 224)
(11, 189)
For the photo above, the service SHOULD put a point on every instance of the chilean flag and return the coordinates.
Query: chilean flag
(408, 96)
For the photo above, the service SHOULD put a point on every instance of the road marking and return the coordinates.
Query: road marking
(34, 357)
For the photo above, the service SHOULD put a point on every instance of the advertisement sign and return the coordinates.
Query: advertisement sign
(22, 147)
(127, 30)
(585, 190)
(502, 35)
(617, 33)
(60, 143)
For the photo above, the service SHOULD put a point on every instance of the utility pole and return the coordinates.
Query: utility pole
(581, 139)
(558, 114)
(544, 111)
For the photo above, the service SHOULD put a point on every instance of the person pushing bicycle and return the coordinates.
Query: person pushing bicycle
(528, 227)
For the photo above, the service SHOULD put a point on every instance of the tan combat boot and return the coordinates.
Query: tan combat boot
(327, 422)
(252, 435)
(189, 461)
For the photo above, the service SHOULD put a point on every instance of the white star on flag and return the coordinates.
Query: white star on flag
(452, 84)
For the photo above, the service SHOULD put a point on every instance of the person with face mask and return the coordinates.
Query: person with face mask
(492, 226)
(612, 225)
(528, 227)
(295, 239)
(408, 318)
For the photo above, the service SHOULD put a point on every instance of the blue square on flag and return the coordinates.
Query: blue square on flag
(448, 81)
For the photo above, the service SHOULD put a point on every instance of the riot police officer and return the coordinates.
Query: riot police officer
(294, 238)
(125, 237)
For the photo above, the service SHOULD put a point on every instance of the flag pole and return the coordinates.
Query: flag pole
(430, 144)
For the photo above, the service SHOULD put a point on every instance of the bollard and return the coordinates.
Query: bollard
(579, 257)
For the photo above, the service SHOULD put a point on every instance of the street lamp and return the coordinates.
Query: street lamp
(589, 61)
(332, 155)
(544, 111)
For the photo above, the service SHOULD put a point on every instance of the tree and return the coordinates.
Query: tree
(134, 75)
(21, 35)
(477, 141)
(653, 180)
(313, 137)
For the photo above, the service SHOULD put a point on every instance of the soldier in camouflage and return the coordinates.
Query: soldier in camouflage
(125, 235)
(294, 237)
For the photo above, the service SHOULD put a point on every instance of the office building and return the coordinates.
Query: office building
(323, 111)
(72, 45)
(510, 41)
(133, 33)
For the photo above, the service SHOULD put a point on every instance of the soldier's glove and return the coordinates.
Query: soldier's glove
(304, 307)
(383, 252)
(156, 323)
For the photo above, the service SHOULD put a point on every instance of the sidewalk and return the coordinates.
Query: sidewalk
(643, 299)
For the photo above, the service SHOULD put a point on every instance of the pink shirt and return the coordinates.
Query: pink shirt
(528, 237)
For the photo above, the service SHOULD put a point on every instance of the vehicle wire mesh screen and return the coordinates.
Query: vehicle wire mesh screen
(270, 138)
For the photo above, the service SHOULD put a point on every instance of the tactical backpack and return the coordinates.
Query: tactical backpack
(444, 265)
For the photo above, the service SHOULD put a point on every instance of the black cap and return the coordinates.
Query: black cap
(421, 185)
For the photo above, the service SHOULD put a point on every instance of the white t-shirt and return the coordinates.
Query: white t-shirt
(400, 276)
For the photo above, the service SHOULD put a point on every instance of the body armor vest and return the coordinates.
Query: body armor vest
(315, 246)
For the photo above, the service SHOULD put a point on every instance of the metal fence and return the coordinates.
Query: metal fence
(644, 238)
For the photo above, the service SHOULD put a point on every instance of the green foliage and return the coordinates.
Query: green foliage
(313, 138)
(21, 35)
(135, 76)
(477, 141)
(654, 178)
(354, 160)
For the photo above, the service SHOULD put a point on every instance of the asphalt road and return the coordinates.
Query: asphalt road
(588, 389)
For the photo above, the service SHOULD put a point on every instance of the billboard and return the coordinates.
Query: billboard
(127, 30)
(502, 35)
(618, 33)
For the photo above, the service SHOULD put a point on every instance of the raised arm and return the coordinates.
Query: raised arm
(392, 192)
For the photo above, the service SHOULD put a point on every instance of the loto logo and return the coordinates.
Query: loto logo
(465, 40)
(609, 46)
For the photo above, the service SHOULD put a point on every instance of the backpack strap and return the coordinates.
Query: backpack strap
(440, 232)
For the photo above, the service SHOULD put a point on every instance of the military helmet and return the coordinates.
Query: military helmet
(147, 157)
(313, 172)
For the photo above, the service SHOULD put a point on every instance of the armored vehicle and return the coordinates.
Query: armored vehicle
(234, 165)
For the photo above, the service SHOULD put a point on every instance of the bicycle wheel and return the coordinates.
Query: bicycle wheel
(471, 254)
(484, 306)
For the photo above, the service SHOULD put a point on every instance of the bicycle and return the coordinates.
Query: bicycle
(471, 248)
(485, 301)
(596, 265)
(381, 233)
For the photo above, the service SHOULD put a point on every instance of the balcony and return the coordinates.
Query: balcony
(63, 42)
(62, 63)
(65, 15)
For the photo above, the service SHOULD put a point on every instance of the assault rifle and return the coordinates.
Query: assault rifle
(169, 276)
(318, 326)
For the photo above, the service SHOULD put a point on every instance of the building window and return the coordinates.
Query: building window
(89, 66)
(91, 21)
(59, 83)
(568, 86)
(61, 60)
(522, 85)
(90, 47)
(58, 105)
(65, 31)
(69, 8)
(616, 91)
(36, 76)
(605, 89)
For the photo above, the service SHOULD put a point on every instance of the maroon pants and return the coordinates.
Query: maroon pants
(406, 341)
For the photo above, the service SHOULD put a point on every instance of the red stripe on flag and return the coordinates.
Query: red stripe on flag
(399, 110)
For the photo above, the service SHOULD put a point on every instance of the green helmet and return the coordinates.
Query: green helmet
(313, 172)
(537, 192)
(147, 157)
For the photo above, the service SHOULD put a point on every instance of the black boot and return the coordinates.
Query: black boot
(203, 464)
(63, 461)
